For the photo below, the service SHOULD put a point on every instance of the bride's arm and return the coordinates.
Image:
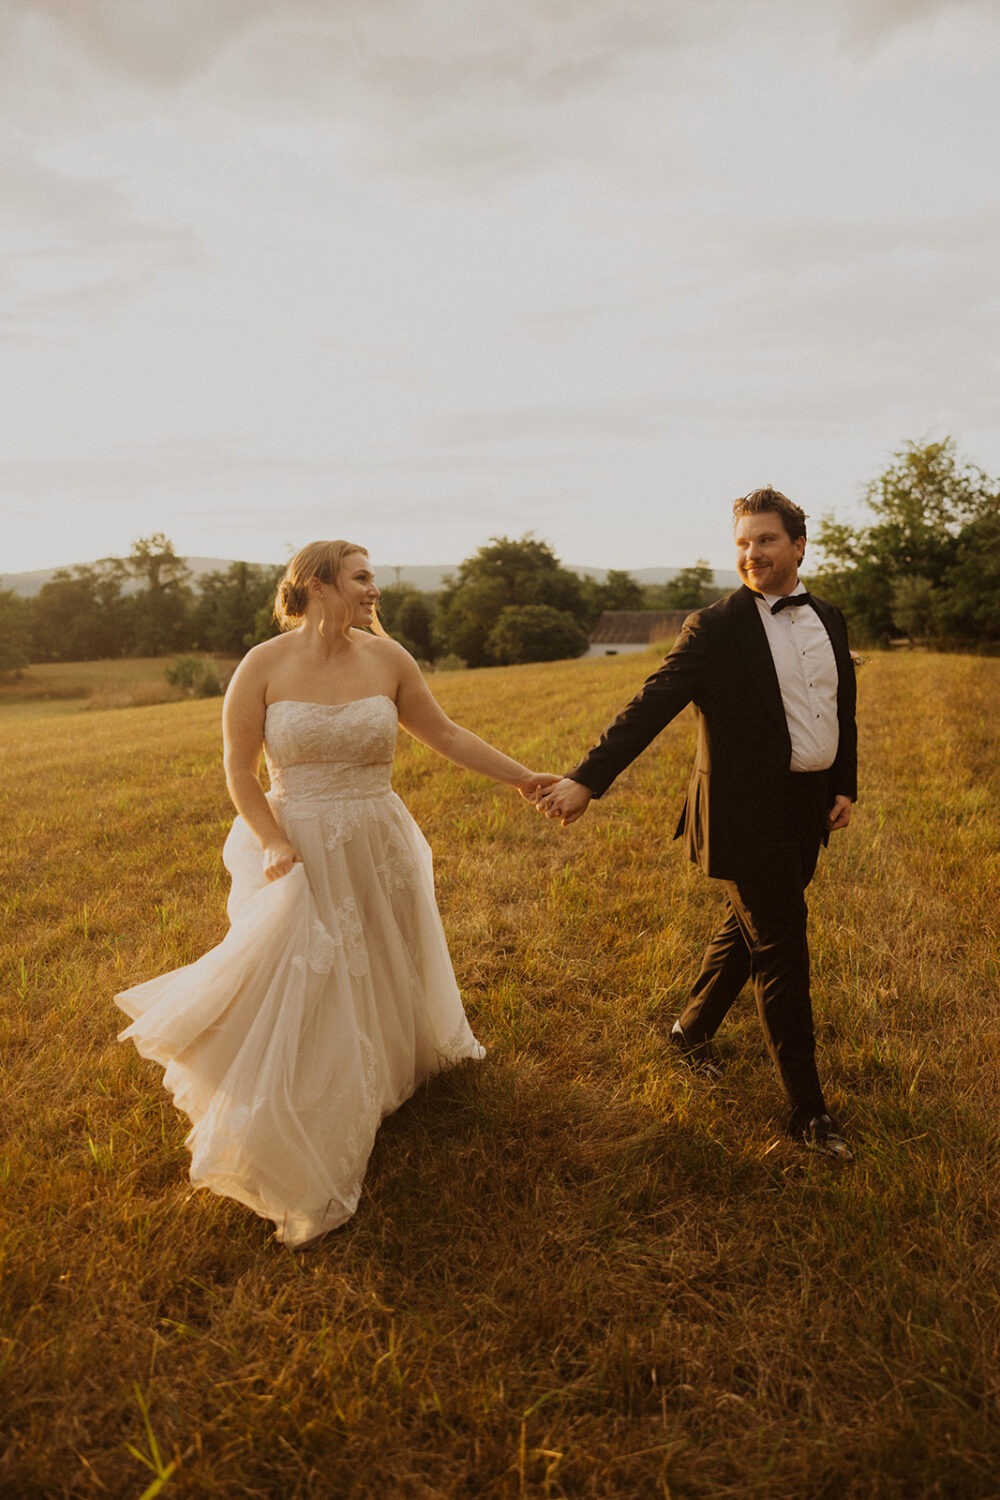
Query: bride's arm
(422, 716)
(243, 742)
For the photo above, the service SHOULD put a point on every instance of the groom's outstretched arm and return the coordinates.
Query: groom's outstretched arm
(675, 684)
(664, 693)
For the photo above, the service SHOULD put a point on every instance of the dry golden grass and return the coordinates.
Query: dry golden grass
(574, 1271)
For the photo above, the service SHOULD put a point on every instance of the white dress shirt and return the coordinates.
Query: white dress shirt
(807, 675)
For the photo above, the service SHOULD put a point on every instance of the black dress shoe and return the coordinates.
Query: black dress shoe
(699, 1056)
(823, 1135)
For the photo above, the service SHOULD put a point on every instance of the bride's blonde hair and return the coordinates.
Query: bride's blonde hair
(322, 560)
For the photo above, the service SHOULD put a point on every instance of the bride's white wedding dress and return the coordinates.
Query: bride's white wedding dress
(331, 997)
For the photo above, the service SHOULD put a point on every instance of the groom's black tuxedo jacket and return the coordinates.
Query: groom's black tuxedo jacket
(721, 663)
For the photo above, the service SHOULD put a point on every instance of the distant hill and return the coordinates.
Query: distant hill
(724, 578)
(28, 584)
(427, 578)
(431, 577)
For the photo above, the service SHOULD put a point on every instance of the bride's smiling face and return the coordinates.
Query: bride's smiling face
(357, 588)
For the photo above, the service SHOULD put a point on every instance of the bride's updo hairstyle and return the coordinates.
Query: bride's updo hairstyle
(322, 560)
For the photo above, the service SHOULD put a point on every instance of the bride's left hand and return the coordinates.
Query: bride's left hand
(532, 787)
(279, 858)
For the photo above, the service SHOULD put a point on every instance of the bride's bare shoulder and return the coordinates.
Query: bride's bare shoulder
(376, 645)
(261, 661)
(273, 650)
(382, 652)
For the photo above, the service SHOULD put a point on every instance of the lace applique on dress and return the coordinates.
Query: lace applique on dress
(322, 754)
(398, 868)
(342, 821)
(361, 733)
(396, 864)
(350, 937)
(321, 950)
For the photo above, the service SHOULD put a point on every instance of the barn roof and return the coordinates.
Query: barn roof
(637, 627)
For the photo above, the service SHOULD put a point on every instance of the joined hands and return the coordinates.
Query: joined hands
(559, 797)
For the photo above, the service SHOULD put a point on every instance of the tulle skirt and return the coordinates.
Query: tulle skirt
(331, 998)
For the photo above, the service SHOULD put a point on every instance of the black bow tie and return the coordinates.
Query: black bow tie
(790, 601)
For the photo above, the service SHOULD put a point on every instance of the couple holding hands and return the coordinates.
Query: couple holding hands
(332, 996)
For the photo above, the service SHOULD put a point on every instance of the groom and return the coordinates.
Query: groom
(771, 679)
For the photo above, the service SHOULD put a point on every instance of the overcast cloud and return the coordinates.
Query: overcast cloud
(423, 273)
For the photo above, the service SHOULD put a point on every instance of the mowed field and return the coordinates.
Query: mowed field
(67, 687)
(575, 1270)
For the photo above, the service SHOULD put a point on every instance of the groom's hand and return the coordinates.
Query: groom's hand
(567, 801)
(840, 813)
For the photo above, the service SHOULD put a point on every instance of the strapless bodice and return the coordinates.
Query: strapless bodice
(324, 750)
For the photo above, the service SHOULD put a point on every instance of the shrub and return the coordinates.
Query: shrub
(535, 632)
(196, 676)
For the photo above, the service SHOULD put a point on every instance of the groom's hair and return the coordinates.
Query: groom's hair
(793, 517)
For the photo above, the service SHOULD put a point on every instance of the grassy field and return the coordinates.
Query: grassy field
(69, 687)
(575, 1271)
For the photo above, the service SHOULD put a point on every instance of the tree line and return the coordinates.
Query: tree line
(141, 605)
(926, 565)
(512, 601)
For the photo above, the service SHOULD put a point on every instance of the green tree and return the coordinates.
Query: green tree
(226, 611)
(618, 591)
(621, 590)
(929, 507)
(265, 626)
(163, 603)
(691, 588)
(504, 574)
(535, 632)
(83, 614)
(968, 604)
(913, 605)
(409, 617)
(15, 634)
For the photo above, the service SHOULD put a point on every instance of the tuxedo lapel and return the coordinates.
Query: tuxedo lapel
(841, 654)
(757, 661)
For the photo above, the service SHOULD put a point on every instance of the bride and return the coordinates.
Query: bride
(332, 996)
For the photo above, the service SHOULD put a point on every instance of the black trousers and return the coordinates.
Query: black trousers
(763, 938)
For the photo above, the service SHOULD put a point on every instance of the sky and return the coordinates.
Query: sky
(419, 273)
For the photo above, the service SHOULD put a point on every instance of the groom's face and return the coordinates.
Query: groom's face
(766, 557)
